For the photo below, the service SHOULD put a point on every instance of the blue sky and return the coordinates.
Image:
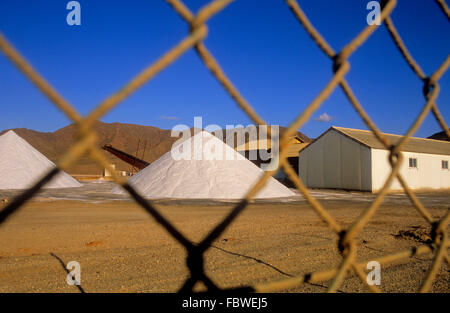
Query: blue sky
(260, 45)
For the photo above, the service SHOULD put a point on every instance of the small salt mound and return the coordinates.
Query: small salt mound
(21, 165)
(202, 176)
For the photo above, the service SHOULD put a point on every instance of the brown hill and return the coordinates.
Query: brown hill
(440, 136)
(121, 136)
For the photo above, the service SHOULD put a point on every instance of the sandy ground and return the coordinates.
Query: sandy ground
(122, 249)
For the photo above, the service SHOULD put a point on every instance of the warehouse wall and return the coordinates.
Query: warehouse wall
(428, 174)
(336, 161)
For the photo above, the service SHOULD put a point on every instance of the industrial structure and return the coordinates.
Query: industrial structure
(258, 151)
(136, 163)
(352, 159)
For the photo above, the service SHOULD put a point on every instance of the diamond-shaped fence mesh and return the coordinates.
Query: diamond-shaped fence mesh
(86, 144)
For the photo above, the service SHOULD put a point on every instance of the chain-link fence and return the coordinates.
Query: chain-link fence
(86, 144)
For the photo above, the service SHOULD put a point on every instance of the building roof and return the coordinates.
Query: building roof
(296, 145)
(414, 144)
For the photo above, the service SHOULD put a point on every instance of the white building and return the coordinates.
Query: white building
(352, 159)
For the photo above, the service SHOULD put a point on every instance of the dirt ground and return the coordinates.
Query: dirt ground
(122, 249)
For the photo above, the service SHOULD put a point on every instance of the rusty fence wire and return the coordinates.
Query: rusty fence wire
(86, 144)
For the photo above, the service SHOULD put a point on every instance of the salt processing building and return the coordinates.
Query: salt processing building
(353, 159)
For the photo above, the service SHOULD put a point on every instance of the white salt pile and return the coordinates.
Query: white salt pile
(200, 175)
(21, 165)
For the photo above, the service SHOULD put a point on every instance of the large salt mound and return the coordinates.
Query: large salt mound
(21, 165)
(201, 176)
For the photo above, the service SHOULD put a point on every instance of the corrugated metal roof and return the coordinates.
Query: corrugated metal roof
(414, 144)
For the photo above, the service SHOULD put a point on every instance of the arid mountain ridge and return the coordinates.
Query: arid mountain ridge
(439, 136)
(126, 137)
